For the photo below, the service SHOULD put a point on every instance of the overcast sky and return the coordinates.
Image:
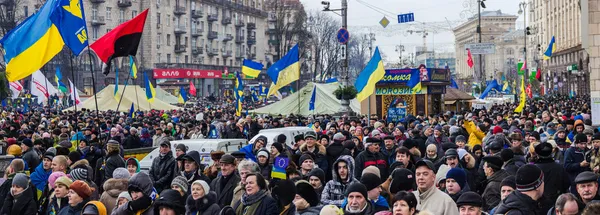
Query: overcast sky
(425, 11)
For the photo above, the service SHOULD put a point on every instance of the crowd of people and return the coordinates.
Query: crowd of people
(545, 160)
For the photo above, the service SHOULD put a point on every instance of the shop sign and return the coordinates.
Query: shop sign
(186, 73)
(398, 90)
(426, 74)
(436, 89)
(439, 74)
(397, 110)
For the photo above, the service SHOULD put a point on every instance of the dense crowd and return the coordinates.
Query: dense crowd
(545, 160)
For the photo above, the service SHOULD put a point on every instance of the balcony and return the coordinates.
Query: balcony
(228, 37)
(179, 48)
(226, 20)
(179, 10)
(272, 18)
(197, 50)
(239, 39)
(253, 56)
(227, 53)
(239, 55)
(197, 14)
(212, 17)
(251, 40)
(98, 1)
(212, 52)
(213, 35)
(98, 20)
(196, 32)
(239, 23)
(251, 25)
(274, 42)
(124, 3)
(158, 25)
(180, 29)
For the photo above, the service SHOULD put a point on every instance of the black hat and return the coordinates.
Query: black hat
(298, 138)
(507, 154)
(307, 192)
(448, 146)
(585, 177)
(529, 177)
(27, 142)
(535, 134)
(281, 138)
(460, 138)
(227, 159)
(192, 156)
(278, 146)
(544, 150)
(74, 156)
(166, 143)
(284, 191)
(427, 163)
(357, 187)
(470, 198)
(181, 147)
(494, 162)
(373, 140)
(389, 137)
(451, 153)
(496, 145)
(596, 136)
(171, 199)
(370, 180)
(580, 138)
(305, 156)
(238, 154)
(509, 181)
(319, 173)
(402, 180)
(409, 143)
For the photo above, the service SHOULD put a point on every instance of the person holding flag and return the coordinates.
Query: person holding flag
(183, 98)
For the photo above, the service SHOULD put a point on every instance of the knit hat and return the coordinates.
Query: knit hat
(304, 157)
(27, 142)
(263, 153)
(63, 180)
(454, 130)
(409, 143)
(580, 138)
(181, 182)
(357, 187)
(50, 155)
(204, 185)
(373, 170)
(121, 173)
(402, 180)
(460, 138)
(461, 153)
(181, 147)
(53, 177)
(278, 146)
(529, 177)
(497, 130)
(21, 180)
(319, 173)
(507, 154)
(438, 128)
(493, 161)
(170, 199)
(307, 192)
(67, 144)
(79, 174)
(227, 159)
(81, 188)
(125, 195)
(509, 181)
(470, 198)
(331, 210)
(51, 150)
(596, 136)
(371, 181)
(458, 175)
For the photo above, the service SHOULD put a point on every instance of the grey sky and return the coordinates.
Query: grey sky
(425, 11)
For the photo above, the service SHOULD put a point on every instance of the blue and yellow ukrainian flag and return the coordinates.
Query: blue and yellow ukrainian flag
(116, 92)
(284, 71)
(239, 92)
(131, 111)
(35, 41)
(251, 68)
(415, 81)
(150, 93)
(370, 75)
(550, 50)
(133, 67)
(182, 95)
(279, 166)
(57, 77)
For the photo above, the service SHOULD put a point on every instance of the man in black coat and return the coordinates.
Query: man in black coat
(224, 184)
(530, 189)
(556, 180)
(162, 170)
(371, 157)
(190, 168)
(133, 140)
(334, 151)
(29, 155)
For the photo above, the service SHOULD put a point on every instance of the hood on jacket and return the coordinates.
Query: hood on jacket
(100, 208)
(142, 181)
(349, 161)
(203, 203)
(137, 163)
(319, 147)
(171, 199)
(194, 155)
(115, 186)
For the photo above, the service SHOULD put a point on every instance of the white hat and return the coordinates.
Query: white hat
(204, 185)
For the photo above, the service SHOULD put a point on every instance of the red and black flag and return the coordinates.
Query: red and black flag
(121, 41)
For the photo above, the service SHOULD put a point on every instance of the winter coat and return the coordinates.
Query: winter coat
(595, 161)
(435, 201)
(511, 166)
(32, 159)
(162, 171)
(367, 158)
(316, 210)
(225, 195)
(334, 191)
(54, 206)
(369, 210)
(205, 205)
(132, 141)
(249, 151)
(267, 206)
(5, 189)
(39, 178)
(390, 155)
(113, 161)
(475, 136)
(438, 142)
(142, 181)
(334, 151)
(24, 203)
(265, 170)
(112, 188)
(573, 157)
(319, 153)
(70, 210)
(517, 203)
(491, 194)
(556, 181)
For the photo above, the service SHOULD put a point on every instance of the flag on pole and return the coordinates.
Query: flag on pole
(311, 103)
(251, 68)
(239, 92)
(522, 97)
(415, 81)
(369, 76)
(121, 41)
(453, 83)
(529, 92)
(285, 71)
(182, 95)
(74, 94)
(116, 92)
(538, 75)
(15, 88)
(550, 50)
(133, 67)
(69, 19)
(279, 166)
(469, 58)
(38, 87)
(57, 77)
(192, 89)
(131, 111)
(150, 92)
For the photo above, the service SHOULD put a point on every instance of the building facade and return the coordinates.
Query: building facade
(437, 60)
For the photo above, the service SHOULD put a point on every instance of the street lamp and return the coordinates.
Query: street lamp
(522, 8)
(480, 4)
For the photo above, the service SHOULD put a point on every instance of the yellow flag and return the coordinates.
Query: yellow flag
(522, 97)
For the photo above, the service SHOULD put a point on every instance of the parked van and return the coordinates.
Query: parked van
(203, 146)
(290, 133)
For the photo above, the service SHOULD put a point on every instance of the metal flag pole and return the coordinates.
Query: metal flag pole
(73, 78)
(46, 81)
(134, 82)
(121, 99)
(93, 80)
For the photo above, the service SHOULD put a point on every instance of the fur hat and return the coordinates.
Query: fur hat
(307, 192)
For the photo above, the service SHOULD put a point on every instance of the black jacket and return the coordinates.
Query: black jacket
(556, 181)
(367, 158)
(334, 151)
(491, 195)
(132, 141)
(225, 195)
(205, 205)
(511, 166)
(517, 203)
(268, 206)
(113, 161)
(368, 211)
(70, 210)
(5, 189)
(32, 159)
(24, 203)
(162, 171)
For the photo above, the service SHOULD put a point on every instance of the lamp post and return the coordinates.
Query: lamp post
(345, 104)
(522, 7)
(480, 4)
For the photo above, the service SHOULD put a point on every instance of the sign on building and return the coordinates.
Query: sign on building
(481, 48)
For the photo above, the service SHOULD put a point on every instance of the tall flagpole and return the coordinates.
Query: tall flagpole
(93, 80)
(46, 81)
(121, 99)
(134, 82)
(73, 78)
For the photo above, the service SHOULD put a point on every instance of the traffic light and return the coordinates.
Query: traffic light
(528, 30)
(539, 47)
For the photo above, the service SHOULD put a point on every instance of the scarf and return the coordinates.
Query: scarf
(250, 203)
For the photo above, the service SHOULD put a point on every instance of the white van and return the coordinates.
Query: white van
(203, 146)
(290, 133)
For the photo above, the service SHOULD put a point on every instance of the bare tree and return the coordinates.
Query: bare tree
(359, 55)
(326, 49)
(289, 25)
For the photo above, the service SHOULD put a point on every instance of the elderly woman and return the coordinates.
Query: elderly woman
(405, 203)
(244, 168)
(256, 199)
(202, 201)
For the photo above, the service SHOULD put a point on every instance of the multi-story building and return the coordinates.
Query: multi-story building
(567, 70)
(437, 60)
(494, 24)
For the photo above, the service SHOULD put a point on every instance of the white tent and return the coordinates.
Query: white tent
(165, 96)
(297, 103)
(107, 101)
